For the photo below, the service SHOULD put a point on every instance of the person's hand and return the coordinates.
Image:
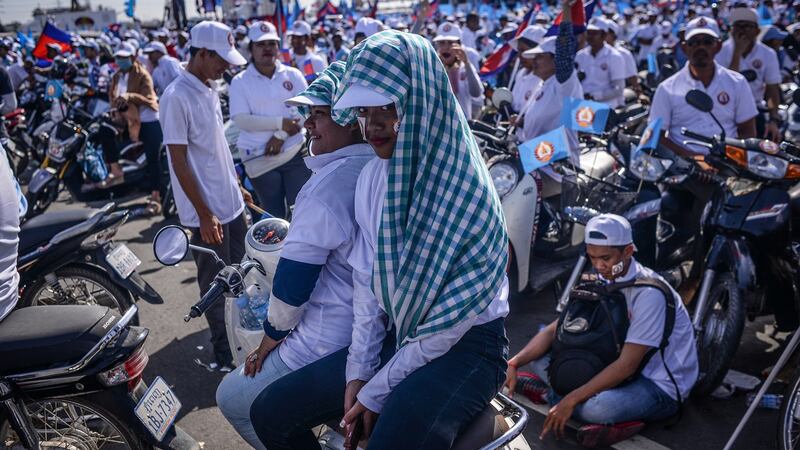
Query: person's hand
(424, 7)
(511, 380)
(256, 358)
(459, 53)
(558, 417)
(360, 412)
(273, 146)
(210, 229)
(121, 102)
(246, 195)
(350, 393)
(740, 42)
(291, 126)
(772, 132)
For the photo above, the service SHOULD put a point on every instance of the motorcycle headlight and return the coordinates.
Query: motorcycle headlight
(55, 150)
(504, 176)
(647, 167)
(766, 166)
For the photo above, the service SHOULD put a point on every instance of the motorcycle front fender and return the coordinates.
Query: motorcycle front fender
(134, 283)
(39, 180)
(519, 208)
(733, 255)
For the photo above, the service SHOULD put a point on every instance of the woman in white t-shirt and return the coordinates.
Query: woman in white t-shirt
(270, 138)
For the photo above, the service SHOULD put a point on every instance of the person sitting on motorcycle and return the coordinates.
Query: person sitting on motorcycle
(312, 294)
(612, 405)
(428, 269)
(9, 238)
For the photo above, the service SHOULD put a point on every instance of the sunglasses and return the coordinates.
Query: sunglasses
(705, 42)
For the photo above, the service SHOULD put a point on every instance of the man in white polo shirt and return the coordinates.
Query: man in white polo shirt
(525, 81)
(463, 76)
(744, 52)
(165, 67)
(603, 67)
(207, 193)
(308, 62)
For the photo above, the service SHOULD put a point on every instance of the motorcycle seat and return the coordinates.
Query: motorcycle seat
(41, 228)
(483, 429)
(41, 337)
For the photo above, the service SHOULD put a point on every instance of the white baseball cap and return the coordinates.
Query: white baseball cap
(448, 32)
(533, 33)
(217, 37)
(358, 96)
(299, 28)
(368, 26)
(743, 15)
(241, 29)
(306, 100)
(263, 31)
(701, 25)
(793, 27)
(608, 230)
(155, 46)
(124, 50)
(548, 45)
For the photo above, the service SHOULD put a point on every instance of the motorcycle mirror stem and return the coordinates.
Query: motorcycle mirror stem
(207, 251)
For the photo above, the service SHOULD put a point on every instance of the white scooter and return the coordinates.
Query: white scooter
(246, 291)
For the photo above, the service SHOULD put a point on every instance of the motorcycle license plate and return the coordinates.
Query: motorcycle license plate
(158, 408)
(123, 260)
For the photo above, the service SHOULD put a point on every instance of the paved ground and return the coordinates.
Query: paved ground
(173, 346)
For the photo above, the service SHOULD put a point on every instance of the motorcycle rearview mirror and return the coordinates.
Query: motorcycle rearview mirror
(502, 96)
(171, 245)
(750, 75)
(699, 100)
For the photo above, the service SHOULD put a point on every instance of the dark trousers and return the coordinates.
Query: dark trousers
(427, 410)
(152, 137)
(279, 187)
(230, 251)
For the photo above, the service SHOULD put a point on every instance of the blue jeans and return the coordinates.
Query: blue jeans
(427, 410)
(236, 392)
(639, 399)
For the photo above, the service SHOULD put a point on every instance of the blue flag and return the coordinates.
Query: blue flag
(584, 115)
(650, 136)
(652, 64)
(543, 150)
(53, 89)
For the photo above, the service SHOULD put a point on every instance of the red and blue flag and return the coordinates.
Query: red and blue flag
(326, 9)
(52, 35)
(498, 61)
(308, 71)
(581, 13)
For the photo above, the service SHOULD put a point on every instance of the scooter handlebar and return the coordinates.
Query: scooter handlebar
(214, 292)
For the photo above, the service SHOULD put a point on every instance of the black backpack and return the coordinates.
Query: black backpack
(591, 332)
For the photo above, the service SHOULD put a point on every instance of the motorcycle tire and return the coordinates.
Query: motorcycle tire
(65, 439)
(723, 325)
(120, 298)
(39, 202)
(788, 435)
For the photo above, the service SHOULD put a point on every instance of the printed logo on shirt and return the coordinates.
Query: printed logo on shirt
(528, 95)
(723, 98)
(539, 95)
(604, 66)
(544, 151)
(288, 85)
(757, 64)
(585, 116)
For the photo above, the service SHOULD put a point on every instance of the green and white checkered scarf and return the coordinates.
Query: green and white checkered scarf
(442, 246)
(324, 87)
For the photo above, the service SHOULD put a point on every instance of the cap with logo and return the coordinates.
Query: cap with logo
(262, 31)
(299, 28)
(548, 45)
(448, 32)
(217, 37)
(533, 33)
(155, 46)
(743, 15)
(701, 25)
(608, 230)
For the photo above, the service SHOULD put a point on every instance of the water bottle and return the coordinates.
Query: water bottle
(768, 401)
(253, 305)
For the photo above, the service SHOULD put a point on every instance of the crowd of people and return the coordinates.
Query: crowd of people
(389, 299)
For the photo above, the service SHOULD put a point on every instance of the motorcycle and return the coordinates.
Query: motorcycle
(71, 377)
(247, 287)
(15, 139)
(70, 258)
(752, 248)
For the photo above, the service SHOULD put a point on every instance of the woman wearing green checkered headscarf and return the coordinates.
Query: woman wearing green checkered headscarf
(432, 255)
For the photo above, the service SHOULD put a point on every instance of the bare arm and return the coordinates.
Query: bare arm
(773, 97)
(537, 347)
(180, 165)
(747, 129)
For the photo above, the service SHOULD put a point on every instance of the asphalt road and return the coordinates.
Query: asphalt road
(173, 346)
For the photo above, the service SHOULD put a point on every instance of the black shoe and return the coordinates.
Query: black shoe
(224, 361)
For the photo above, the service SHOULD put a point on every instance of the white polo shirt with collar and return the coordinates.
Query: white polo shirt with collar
(733, 104)
(165, 72)
(191, 116)
(256, 94)
(762, 59)
(525, 84)
(601, 71)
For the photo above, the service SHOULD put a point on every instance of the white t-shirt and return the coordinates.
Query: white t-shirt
(191, 116)
(166, 71)
(525, 84)
(601, 71)
(9, 238)
(630, 61)
(762, 59)
(733, 104)
(253, 93)
(647, 312)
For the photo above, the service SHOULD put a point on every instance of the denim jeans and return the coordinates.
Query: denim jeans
(427, 410)
(237, 391)
(639, 399)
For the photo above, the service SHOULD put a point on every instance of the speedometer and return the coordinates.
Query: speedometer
(267, 234)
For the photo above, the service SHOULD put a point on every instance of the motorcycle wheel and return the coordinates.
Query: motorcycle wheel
(78, 286)
(74, 423)
(723, 325)
(789, 417)
(40, 201)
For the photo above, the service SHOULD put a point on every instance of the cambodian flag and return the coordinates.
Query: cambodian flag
(286, 57)
(326, 9)
(580, 14)
(52, 35)
(497, 61)
(308, 71)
